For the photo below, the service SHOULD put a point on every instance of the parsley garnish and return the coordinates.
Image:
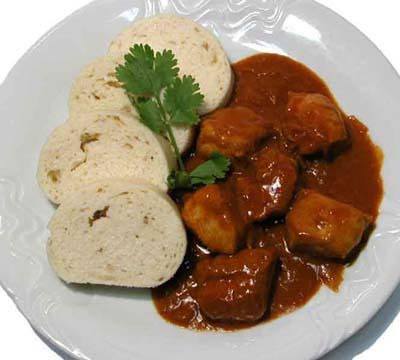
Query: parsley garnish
(206, 173)
(163, 99)
(215, 168)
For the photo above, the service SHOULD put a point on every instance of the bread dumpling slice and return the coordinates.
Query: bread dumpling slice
(99, 146)
(197, 50)
(97, 89)
(117, 232)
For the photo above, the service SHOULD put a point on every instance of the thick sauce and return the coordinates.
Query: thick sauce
(262, 84)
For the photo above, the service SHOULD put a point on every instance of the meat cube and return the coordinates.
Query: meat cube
(266, 188)
(211, 214)
(236, 287)
(324, 227)
(314, 123)
(234, 132)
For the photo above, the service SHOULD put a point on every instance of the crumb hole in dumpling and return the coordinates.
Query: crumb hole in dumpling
(117, 120)
(123, 193)
(87, 138)
(54, 175)
(113, 83)
(205, 45)
(98, 214)
(77, 164)
(97, 97)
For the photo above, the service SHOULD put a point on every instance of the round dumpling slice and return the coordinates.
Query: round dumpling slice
(198, 53)
(99, 146)
(97, 89)
(117, 232)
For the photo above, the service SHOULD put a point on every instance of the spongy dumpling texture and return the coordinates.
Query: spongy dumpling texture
(100, 146)
(198, 53)
(97, 88)
(117, 232)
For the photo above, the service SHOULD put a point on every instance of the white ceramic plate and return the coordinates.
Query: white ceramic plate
(100, 323)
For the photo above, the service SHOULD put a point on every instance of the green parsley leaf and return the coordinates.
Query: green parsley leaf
(150, 115)
(165, 67)
(146, 74)
(137, 75)
(142, 54)
(127, 79)
(182, 99)
(211, 170)
(207, 173)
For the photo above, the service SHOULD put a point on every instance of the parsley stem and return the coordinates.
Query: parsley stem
(170, 133)
(175, 146)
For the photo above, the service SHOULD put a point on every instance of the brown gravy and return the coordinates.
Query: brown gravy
(262, 84)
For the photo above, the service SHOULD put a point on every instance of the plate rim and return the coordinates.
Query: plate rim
(58, 346)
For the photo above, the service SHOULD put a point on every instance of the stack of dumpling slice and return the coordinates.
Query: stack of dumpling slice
(116, 224)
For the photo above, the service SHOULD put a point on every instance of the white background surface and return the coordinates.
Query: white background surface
(22, 22)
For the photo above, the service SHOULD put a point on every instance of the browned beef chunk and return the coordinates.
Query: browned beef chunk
(236, 287)
(267, 187)
(211, 214)
(314, 123)
(324, 227)
(234, 132)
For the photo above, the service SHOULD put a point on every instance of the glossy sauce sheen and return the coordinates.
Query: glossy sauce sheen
(262, 84)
